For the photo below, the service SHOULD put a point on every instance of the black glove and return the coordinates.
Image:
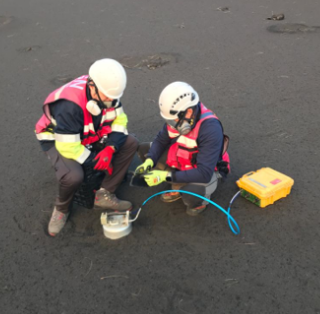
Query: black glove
(222, 167)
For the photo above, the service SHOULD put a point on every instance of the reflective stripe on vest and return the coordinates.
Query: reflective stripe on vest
(88, 128)
(86, 153)
(45, 136)
(187, 142)
(67, 138)
(173, 134)
(111, 114)
(119, 128)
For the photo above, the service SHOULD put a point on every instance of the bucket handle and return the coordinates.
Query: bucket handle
(249, 174)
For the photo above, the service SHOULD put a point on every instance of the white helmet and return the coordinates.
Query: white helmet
(109, 77)
(176, 98)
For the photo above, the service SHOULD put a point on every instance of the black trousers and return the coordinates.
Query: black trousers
(203, 189)
(69, 173)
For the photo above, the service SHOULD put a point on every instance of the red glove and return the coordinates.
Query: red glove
(104, 160)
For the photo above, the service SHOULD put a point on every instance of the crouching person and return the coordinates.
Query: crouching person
(190, 150)
(77, 116)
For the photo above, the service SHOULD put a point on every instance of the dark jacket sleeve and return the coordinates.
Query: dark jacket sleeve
(117, 139)
(210, 144)
(159, 145)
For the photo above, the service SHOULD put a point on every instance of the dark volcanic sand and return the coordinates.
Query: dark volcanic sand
(263, 85)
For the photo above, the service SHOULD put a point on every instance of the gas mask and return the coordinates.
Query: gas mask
(184, 125)
(95, 106)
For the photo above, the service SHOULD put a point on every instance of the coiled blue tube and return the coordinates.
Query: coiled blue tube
(231, 220)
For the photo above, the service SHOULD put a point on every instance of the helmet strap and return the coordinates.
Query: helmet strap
(101, 104)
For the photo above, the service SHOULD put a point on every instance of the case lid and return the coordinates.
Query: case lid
(264, 182)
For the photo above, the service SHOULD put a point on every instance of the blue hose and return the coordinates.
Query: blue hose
(231, 220)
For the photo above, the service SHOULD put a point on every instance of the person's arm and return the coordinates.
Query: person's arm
(159, 145)
(69, 123)
(210, 142)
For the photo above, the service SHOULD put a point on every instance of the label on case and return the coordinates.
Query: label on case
(276, 181)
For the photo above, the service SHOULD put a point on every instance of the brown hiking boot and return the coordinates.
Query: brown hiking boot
(57, 222)
(170, 197)
(106, 200)
(196, 211)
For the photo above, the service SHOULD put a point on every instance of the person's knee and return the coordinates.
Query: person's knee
(132, 143)
(73, 178)
(143, 149)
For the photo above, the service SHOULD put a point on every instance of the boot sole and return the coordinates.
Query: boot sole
(195, 213)
(111, 209)
(170, 200)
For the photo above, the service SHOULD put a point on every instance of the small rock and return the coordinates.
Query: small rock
(156, 63)
(276, 17)
(223, 9)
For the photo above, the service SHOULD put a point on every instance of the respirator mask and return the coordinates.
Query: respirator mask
(95, 106)
(185, 123)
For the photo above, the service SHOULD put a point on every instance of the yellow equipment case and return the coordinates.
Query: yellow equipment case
(264, 186)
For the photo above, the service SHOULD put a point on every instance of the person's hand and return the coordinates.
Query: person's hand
(155, 177)
(104, 159)
(146, 166)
